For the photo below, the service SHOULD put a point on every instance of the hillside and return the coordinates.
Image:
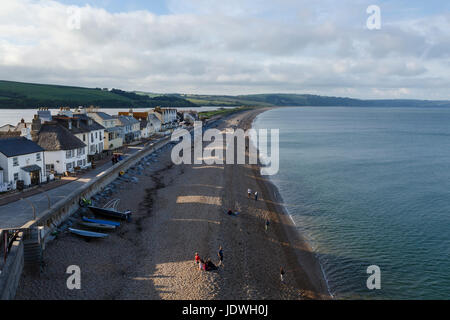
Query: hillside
(18, 95)
(305, 100)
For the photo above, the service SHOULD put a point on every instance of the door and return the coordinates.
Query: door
(34, 175)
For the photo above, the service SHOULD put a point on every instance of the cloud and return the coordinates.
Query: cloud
(232, 47)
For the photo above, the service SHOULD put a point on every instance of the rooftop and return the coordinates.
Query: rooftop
(55, 137)
(17, 146)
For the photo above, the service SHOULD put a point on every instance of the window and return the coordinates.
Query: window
(79, 163)
(96, 135)
(84, 137)
(68, 166)
(92, 137)
(69, 154)
(16, 177)
(49, 167)
(15, 162)
(80, 151)
(38, 156)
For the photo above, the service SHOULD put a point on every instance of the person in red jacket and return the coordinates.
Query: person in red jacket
(197, 258)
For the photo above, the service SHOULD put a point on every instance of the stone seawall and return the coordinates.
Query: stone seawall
(12, 271)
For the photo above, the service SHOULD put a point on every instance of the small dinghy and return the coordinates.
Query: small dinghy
(107, 222)
(96, 225)
(88, 234)
(109, 212)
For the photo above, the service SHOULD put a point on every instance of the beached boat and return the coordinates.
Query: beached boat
(96, 225)
(87, 234)
(109, 212)
(107, 222)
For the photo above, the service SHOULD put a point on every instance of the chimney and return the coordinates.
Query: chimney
(36, 124)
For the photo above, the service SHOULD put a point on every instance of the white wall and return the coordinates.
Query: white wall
(59, 159)
(93, 140)
(23, 161)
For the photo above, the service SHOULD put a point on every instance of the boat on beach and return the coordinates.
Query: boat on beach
(110, 212)
(107, 222)
(87, 234)
(95, 225)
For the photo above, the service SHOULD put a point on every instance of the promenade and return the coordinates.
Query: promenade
(17, 213)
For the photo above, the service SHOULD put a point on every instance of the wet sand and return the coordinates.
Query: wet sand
(179, 210)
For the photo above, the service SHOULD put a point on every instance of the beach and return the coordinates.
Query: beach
(179, 210)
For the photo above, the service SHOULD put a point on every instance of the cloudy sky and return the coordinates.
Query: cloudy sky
(231, 47)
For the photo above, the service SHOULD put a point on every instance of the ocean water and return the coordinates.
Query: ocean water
(370, 186)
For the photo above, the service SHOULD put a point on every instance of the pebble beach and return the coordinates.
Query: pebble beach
(179, 210)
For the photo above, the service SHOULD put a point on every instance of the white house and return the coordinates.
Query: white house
(112, 138)
(167, 116)
(7, 128)
(85, 129)
(63, 150)
(20, 159)
(154, 123)
(130, 128)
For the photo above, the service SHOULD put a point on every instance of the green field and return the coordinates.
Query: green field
(208, 114)
(18, 95)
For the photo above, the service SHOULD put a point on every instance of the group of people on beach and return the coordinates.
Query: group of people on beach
(207, 264)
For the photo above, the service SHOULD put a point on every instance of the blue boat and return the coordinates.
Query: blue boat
(88, 234)
(111, 223)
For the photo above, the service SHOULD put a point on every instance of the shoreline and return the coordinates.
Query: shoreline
(285, 211)
(177, 211)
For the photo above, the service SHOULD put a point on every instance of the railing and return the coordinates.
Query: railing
(7, 237)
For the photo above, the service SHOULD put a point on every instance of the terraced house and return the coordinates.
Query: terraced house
(130, 129)
(112, 138)
(84, 128)
(64, 152)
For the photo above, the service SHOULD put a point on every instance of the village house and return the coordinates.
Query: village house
(20, 160)
(112, 139)
(149, 123)
(7, 128)
(130, 128)
(154, 124)
(168, 117)
(84, 128)
(64, 152)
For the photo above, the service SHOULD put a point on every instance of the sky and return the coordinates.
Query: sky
(231, 47)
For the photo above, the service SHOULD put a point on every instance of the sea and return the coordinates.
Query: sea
(369, 187)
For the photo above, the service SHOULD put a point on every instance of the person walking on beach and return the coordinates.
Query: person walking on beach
(201, 264)
(220, 254)
(249, 193)
(256, 195)
(266, 226)
(282, 274)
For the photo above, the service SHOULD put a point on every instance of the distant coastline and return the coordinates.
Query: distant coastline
(18, 95)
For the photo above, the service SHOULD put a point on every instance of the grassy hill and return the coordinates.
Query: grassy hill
(278, 99)
(18, 95)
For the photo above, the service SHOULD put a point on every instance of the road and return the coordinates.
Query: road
(18, 213)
